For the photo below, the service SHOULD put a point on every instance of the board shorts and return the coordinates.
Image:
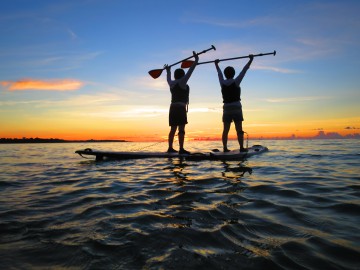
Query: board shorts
(177, 114)
(232, 112)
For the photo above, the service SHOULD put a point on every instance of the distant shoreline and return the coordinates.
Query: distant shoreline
(51, 140)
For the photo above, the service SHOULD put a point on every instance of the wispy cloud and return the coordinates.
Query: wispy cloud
(47, 85)
(101, 99)
(83, 101)
(143, 112)
(264, 124)
(72, 34)
(231, 23)
(205, 110)
(275, 69)
(227, 50)
(38, 58)
(13, 103)
(130, 113)
(297, 99)
(314, 30)
(64, 61)
(232, 49)
(147, 82)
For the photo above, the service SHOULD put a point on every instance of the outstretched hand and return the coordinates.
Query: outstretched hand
(251, 56)
(166, 66)
(217, 61)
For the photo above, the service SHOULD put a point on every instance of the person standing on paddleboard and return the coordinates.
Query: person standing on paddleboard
(179, 102)
(232, 109)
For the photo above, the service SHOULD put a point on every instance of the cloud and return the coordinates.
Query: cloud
(227, 50)
(140, 113)
(44, 85)
(232, 49)
(205, 110)
(296, 99)
(264, 125)
(41, 60)
(83, 101)
(147, 82)
(65, 61)
(275, 69)
(72, 34)
(21, 102)
(260, 21)
(352, 128)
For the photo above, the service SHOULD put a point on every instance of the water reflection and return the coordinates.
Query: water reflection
(227, 170)
(235, 172)
(177, 167)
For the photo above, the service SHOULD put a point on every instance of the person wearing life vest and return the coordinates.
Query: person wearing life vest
(179, 102)
(232, 109)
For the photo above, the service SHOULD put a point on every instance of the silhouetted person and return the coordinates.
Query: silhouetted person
(232, 109)
(179, 102)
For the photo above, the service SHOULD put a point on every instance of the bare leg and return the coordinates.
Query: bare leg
(181, 140)
(181, 136)
(225, 135)
(240, 135)
(171, 138)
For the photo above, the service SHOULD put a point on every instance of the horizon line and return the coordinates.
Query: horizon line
(329, 135)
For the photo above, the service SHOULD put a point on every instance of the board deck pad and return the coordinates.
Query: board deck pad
(212, 155)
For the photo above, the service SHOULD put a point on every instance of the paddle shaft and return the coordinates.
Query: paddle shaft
(155, 73)
(234, 58)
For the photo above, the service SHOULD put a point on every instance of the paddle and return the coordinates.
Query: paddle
(155, 73)
(188, 63)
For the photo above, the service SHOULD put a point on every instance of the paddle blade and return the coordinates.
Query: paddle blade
(155, 73)
(186, 63)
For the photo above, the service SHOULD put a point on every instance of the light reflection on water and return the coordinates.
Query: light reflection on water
(294, 207)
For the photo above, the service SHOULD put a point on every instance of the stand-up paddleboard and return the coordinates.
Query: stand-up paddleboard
(213, 155)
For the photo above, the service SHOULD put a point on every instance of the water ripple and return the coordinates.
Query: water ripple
(291, 208)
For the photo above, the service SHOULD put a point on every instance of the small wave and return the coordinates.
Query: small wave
(296, 255)
(298, 209)
(346, 208)
(309, 156)
(12, 231)
(337, 254)
(9, 184)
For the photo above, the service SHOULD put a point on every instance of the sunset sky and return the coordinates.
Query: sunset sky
(78, 69)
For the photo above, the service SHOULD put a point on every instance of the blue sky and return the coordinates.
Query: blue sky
(87, 63)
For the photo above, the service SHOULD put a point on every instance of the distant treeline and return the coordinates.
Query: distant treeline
(51, 140)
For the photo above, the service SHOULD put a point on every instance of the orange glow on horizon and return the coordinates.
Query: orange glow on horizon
(78, 127)
(134, 137)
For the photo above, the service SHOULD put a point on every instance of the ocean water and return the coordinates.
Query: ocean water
(294, 207)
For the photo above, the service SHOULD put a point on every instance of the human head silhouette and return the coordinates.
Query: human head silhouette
(179, 73)
(229, 72)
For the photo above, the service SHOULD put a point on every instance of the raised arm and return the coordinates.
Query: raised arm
(168, 73)
(239, 78)
(191, 69)
(220, 75)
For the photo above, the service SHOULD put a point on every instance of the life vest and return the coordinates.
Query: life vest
(179, 94)
(230, 93)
